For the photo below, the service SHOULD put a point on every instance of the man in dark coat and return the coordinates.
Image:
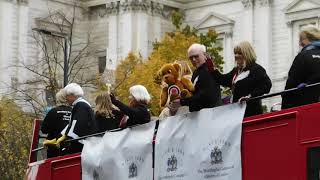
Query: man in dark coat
(305, 70)
(82, 118)
(207, 92)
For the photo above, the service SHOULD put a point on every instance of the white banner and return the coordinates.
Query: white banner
(121, 155)
(200, 145)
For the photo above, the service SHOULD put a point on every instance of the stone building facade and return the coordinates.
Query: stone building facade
(121, 26)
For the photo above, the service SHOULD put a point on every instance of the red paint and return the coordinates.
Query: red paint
(274, 146)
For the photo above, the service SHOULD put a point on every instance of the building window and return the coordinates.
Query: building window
(102, 64)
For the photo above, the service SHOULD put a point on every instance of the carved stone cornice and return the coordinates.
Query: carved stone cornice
(112, 8)
(135, 5)
(156, 8)
(22, 2)
(264, 3)
(247, 3)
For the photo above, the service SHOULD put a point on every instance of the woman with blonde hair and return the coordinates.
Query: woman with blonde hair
(104, 113)
(247, 79)
(304, 70)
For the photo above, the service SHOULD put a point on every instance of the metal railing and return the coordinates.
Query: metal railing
(250, 99)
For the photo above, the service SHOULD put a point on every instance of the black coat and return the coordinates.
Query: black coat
(106, 123)
(82, 123)
(54, 122)
(137, 115)
(305, 69)
(207, 92)
(256, 82)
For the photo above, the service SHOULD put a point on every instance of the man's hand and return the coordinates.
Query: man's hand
(174, 106)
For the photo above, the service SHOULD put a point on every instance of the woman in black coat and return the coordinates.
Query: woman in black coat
(105, 116)
(55, 121)
(247, 79)
(137, 111)
(305, 70)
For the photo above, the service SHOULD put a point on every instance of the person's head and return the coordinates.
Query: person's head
(73, 92)
(196, 54)
(244, 54)
(308, 35)
(185, 68)
(138, 94)
(61, 98)
(103, 104)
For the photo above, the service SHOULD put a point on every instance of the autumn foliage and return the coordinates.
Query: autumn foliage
(15, 137)
(173, 46)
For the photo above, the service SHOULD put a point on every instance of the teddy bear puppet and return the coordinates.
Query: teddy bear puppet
(174, 84)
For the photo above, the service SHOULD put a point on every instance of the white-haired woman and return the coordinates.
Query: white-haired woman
(82, 119)
(55, 121)
(137, 111)
(247, 79)
(305, 70)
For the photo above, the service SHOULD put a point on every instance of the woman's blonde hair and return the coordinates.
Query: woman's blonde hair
(312, 33)
(104, 105)
(247, 51)
(61, 98)
(185, 68)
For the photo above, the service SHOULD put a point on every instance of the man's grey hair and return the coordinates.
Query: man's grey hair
(74, 89)
(201, 47)
(140, 93)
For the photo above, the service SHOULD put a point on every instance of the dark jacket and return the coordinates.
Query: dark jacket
(82, 123)
(54, 122)
(106, 123)
(304, 69)
(255, 82)
(207, 92)
(137, 115)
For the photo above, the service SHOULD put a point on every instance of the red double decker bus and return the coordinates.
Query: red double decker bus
(282, 145)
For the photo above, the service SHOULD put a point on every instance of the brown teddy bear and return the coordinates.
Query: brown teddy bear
(175, 86)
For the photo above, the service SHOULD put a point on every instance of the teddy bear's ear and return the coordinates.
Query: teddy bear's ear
(177, 67)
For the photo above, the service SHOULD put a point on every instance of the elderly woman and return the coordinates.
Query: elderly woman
(82, 119)
(247, 79)
(55, 121)
(137, 111)
(305, 70)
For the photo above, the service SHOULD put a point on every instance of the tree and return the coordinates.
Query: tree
(15, 137)
(173, 46)
(65, 51)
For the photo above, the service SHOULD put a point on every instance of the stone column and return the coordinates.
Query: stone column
(247, 21)
(22, 35)
(141, 29)
(228, 52)
(112, 10)
(6, 29)
(263, 33)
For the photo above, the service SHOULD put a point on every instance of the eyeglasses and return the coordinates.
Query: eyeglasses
(196, 56)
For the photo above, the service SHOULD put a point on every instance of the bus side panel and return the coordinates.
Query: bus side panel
(66, 168)
(270, 148)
